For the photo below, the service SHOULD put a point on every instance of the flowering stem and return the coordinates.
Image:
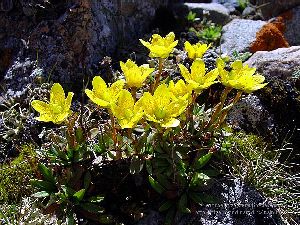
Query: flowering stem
(71, 139)
(133, 93)
(224, 114)
(160, 69)
(219, 107)
(114, 135)
(190, 110)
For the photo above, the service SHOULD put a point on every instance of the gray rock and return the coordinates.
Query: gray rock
(250, 114)
(280, 63)
(292, 27)
(238, 205)
(217, 13)
(271, 8)
(274, 113)
(248, 11)
(68, 37)
(239, 34)
(231, 5)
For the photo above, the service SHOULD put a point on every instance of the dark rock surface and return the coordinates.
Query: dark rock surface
(271, 8)
(273, 112)
(240, 205)
(292, 26)
(65, 38)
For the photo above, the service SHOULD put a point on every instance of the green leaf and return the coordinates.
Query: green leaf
(40, 194)
(47, 173)
(203, 160)
(43, 185)
(70, 218)
(156, 186)
(170, 216)
(96, 199)
(165, 206)
(79, 194)
(105, 219)
(196, 197)
(199, 178)
(87, 180)
(136, 165)
(79, 135)
(94, 132)
(163, 179)
(211, 172)
(182, 204)
(62, 155)
(149, 167)
(92, 208)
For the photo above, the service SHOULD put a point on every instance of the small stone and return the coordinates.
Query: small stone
(248, 11)
(217, 13)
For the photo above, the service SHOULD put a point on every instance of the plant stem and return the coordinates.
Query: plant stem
(71, 139)
(219, 107)
(224, 114)
(114, 135)
(133, 93)
(157, 80)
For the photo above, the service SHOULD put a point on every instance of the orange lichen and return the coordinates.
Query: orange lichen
(270, 37)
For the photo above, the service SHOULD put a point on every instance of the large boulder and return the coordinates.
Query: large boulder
(273, 111)
(239, 34)
(64, 39)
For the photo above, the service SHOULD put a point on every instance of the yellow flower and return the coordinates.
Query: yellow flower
(181, 90)
(161, 107)
(124, 109)
(240, 77)
(58, 109)
(135, 75)
(197, 50)
(198, 78)
(101, 94)
(160, 47)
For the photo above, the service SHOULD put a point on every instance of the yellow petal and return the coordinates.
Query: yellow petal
(258, 78)
(171, 123)
(95, 99)
(99, 85)
(57, 94)
(68, 101)
(197, 69)
(162, 95)
(58, 119)
(184, 72)
(44, 118)
(40, 106)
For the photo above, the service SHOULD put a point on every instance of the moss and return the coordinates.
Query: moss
(250, 145)
(15, 176)
(250, 158)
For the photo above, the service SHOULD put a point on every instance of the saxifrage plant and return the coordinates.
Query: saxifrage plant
(158, 126)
